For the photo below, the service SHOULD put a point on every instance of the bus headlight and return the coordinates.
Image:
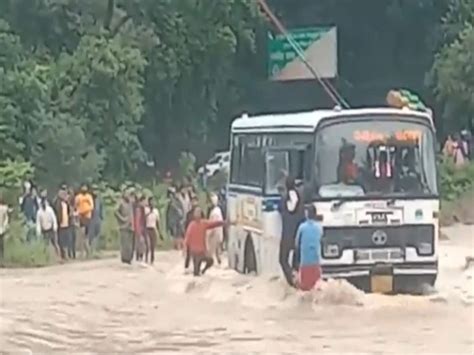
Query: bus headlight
(425, 248)
(331, 251)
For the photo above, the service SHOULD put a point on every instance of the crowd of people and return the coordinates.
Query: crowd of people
(200, 239)
(459, 148)
(71, 218)
(75, 218)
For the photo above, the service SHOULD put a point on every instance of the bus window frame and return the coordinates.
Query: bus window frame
(306, 149)
(236, 177)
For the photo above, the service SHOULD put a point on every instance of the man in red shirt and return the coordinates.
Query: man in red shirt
(195, 240)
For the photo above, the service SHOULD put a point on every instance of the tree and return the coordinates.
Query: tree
(453, 80)
(100, 84)
(63, 154)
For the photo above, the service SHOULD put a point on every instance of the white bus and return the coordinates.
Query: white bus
(372, 176)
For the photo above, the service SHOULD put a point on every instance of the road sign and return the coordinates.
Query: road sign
(319, 44)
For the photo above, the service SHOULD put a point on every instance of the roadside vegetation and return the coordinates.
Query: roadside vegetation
(457, 193)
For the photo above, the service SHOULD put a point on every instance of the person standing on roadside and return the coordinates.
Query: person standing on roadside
(71, 248)
(184, 196)
(84, 205)
(47, 225)
(29, 207)
(139, 227)
(195, 239)
(174, 218)
(124, 216)
(96, 220)
(448, 148)
(308, 244)
(215, 236)
(152, 228)
(4, 223)
(64, 217)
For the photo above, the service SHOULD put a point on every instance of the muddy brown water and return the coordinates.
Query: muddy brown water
(105, 307)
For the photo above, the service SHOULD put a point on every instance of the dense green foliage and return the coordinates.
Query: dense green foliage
(86, 87)
(455, 181)
(95, 88)
(452, 75)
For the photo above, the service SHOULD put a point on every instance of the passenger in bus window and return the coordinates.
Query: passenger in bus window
(347, 170)
(308, 244)
(292, 213)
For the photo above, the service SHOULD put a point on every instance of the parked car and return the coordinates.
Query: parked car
(219, 162)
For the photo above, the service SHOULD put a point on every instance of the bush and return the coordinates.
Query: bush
(12, 175)
(455, 180)
(20, 253)
(457, 193)
(459, 211)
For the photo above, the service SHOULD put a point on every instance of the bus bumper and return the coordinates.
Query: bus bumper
(398, 278)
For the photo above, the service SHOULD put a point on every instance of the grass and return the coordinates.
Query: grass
(20, 253)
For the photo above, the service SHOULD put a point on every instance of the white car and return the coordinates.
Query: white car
(220, 161)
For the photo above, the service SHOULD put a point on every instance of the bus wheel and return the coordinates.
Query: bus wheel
(250, 261)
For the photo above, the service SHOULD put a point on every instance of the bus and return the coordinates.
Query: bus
(371, 174)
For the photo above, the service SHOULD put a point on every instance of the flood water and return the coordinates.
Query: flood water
(107, 307)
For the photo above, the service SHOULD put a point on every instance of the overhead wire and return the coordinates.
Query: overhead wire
(328, 88)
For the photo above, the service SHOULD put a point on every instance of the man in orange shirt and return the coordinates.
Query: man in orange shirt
(195, 240)
(84, 205)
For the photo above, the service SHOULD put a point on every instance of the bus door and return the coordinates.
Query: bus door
(279, 163)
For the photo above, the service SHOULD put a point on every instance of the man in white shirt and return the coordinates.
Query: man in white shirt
(215, 236)
(47, 224)
(152, 217)
(3, 226)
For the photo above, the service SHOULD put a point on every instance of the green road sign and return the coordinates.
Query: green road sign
(281, 53)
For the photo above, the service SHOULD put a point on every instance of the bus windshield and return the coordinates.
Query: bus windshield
(375, 157)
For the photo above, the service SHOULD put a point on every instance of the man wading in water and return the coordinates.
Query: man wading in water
(189, 219)
(308, 244)
(195, 240)
(292, 214)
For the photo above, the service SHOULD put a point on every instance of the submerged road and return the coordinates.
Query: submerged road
(106, 307)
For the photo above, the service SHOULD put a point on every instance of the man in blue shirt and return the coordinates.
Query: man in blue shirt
(308, 244)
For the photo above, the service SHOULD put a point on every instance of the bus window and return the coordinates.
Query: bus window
(282, 163)
(235, 160)
(246, 162)
(251, 167)
(277, 166)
